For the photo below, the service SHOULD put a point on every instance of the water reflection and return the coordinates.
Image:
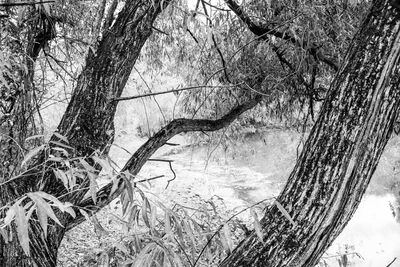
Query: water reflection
(259, 170)
(372, 237)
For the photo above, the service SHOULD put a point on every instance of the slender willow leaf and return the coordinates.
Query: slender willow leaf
(145, 207)
(31, 154)
(227, 236)
(44, 207)
(85, 214)
(105, 165)
(62, 176)
(43, 219)
(61, 137)
(93, 186)
(10, 215)
(168, 229)
(22, 229)
(257, 225)
(4, 234)
(34, 137)
(59, 144)
(284, 212)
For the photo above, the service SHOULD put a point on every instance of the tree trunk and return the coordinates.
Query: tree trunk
(87, 124)
(20, 124)
(341, 153)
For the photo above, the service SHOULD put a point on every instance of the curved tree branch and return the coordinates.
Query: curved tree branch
(105, 195)
(264, 31)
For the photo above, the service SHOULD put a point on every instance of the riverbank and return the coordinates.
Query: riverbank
(256, 169)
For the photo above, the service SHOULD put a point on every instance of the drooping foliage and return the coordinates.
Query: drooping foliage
(283, 52)
(286, 51)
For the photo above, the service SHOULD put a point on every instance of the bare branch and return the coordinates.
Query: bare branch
(105, 195)
(214, 6)
(173, 172)
(160, 31)
(24, 3)
(174, 90)
(391, 262)
(194, 37)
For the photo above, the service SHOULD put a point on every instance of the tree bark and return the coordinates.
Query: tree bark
(87, 124)
(20, 124)
(341, 153)
(88, 120)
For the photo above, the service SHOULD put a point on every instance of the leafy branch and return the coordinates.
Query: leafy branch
(263, 31)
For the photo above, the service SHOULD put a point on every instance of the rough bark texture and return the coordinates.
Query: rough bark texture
(87, 123)
(20, 123)
(341, 153)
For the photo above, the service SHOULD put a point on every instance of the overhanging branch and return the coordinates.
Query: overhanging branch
(105, 195)
(264, 31)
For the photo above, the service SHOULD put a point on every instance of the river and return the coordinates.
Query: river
(257, 169)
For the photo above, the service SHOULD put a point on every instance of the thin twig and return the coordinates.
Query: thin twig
(162, 160)
(222, 225)
(158, 30)
(218, 8)
(172, 144)
(392, 262)
(175, 90)
(150, 179)
(25, 3)
(184, 252)
(173, 178)
(148, 87)
(194, 37)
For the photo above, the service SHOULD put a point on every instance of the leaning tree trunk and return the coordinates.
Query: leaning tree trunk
(87, 124)
(341, 153)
